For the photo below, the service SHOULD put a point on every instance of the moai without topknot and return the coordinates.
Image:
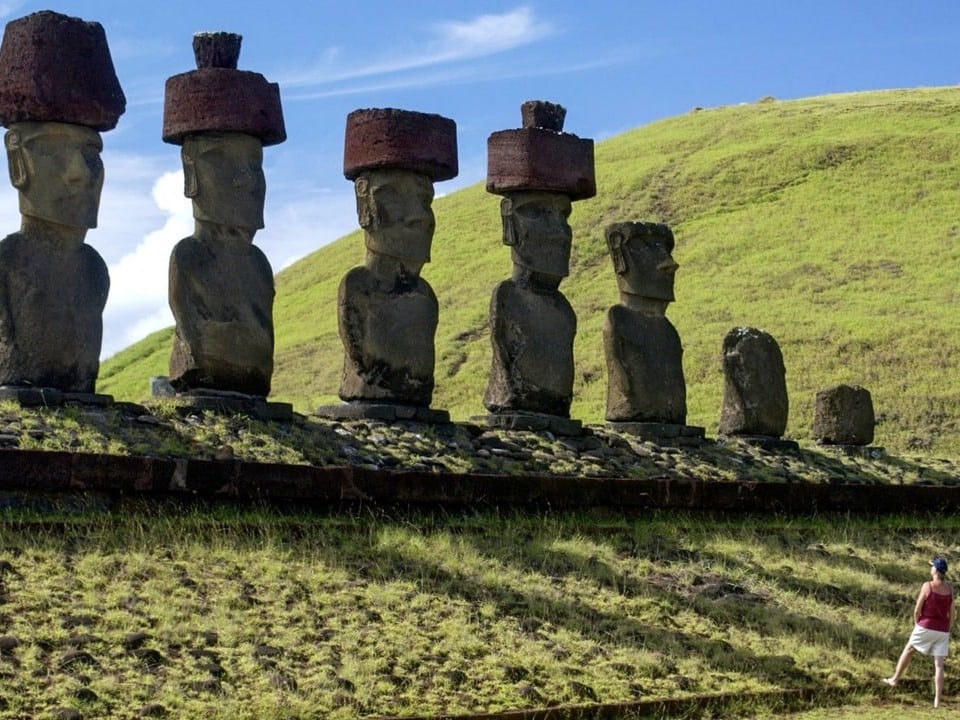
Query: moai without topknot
(387, 313)
(539, 170)
(646, 392)
(755, 405)
(844, 417)
(220, 284)
(58, 92)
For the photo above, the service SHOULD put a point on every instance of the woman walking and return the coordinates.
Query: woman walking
(933, 615)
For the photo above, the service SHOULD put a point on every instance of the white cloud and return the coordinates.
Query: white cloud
(137, 304)
(450, 41)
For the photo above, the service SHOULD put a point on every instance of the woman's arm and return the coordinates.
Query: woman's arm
(918, 608)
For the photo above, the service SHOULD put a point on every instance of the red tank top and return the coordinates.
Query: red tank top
(935, 613)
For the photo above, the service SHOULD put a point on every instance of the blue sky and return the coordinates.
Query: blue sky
(613, 65)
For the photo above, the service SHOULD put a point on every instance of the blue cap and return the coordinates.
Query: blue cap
(940, 565)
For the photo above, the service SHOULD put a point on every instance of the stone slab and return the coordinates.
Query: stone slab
(234, 403)
(51, 397)
(386, 412)
(766, 442)
(662, 433)
(535, 422)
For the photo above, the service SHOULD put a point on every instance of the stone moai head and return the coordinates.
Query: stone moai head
(222, 118)
(394, 157)
(843, 415)
(58, 92)
(642, 258)
(755, 386)
(539, 170)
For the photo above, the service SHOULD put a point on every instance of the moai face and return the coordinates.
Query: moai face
(641, 254)
(535, 227)
(394, 207)
(223, 175)
(56, 168)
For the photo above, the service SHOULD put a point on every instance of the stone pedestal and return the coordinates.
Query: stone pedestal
(29, 396)
(385, 412)
(230, 403)
(662, 433)
(536, 422)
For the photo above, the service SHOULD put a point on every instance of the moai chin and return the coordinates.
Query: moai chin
(539, 170)
(646, 392)
(220, 284)
(755, 405)
(58, 92)
(387, 313)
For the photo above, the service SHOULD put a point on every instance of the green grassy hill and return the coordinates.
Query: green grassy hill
(829, 222)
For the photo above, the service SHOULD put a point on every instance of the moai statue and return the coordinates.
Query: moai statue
(646, 392)
(843, 415)
(387, 313)
(755, 405)
(539, 170)
(58, 92)
(221, 284)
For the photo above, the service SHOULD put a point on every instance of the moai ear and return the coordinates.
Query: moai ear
(615, 244)
(15, 161)
(506, 215)
(190, 187)
(366, 211)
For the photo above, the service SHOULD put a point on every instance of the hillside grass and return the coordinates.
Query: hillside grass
(829, 222)
(224, 613)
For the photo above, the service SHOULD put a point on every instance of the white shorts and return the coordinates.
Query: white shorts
(930, 642)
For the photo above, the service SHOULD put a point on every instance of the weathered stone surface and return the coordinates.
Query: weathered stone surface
(391, 138)
(543, 114)
(843, 415)
(51, 313)
(387, 329)
(755, 388)
(387, 314)
(532, 331)
(644, 356)
(218, 97)
(222, 300)
(58, 68)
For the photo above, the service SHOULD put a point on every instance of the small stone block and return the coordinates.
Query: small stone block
(379, 138)
(97, 399)
(160, 387)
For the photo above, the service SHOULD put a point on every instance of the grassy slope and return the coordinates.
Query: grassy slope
(371, 615)
(829, 222)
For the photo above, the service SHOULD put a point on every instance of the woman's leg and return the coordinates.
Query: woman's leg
(901, 665)
(938, 663)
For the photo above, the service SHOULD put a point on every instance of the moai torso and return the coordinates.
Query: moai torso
(532, 334)
(222, 300)
(51, 310)
(755, 387)
(644, 368)
(388, 339)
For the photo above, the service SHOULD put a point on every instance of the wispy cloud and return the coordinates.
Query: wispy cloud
(448, 42)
